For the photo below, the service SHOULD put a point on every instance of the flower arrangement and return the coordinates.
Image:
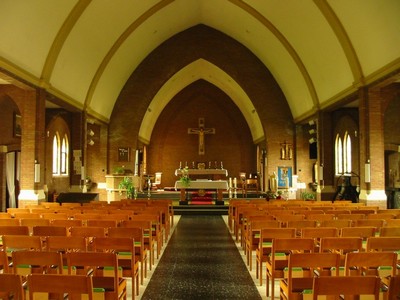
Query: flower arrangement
(185, 179)
(127, 184)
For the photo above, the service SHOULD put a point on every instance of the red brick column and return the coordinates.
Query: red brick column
(32, 147)
(372, 148)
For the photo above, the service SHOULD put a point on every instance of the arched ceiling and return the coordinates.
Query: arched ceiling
(83, 51)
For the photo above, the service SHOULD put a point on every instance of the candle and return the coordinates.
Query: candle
(230, 182)
(235, 182)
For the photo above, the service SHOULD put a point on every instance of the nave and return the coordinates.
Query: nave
(201, 261)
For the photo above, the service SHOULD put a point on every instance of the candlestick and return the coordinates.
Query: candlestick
(235, 182)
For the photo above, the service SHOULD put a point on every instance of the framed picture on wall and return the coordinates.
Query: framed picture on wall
(284, 177)
(17, 125)
(124, 154)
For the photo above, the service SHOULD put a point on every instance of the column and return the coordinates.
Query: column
(372, 148)
(32, 147)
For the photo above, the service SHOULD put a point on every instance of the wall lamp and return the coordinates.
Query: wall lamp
(312, 140)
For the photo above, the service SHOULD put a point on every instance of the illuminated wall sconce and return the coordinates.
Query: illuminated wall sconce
(286, 151)
(367, 166)
(37, 172)
(91, 132)
(91, 142)
(312, 131)
(312, 140)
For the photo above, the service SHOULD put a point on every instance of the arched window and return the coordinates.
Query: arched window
(60, 155)
(338, 155)
(56, 158)
(347, 153)
(64, 156)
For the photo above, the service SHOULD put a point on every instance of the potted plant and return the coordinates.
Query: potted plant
(127, 185)
(308, 195)
(119, 170)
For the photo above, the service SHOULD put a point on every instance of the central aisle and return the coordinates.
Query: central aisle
(201, 261)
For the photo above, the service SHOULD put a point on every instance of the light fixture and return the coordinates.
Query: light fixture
(91, 132)
(311, 122)
(37, 172)
(312, 140)
(367, 172)
(312, 131)
(91, 142)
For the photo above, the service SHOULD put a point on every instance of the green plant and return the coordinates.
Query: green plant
(308, 195)
(185, 179)
(119, 170)
(127, 185)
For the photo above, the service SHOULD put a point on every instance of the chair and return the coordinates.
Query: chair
(3, 261)
(253, 236)
(88, 232)
(114, 286)
(341, 245)
(383, 244)
(394, 288)
(389, 231)
(31, 222)
(336, 223)
(14, 230)
(370, 263)
(264, 246)
(251, 185)
(277, 261)
(43, 262)
(10, 222)
(59, 284)
(11, 286)
(5, 215)
(101, 223)
(377, 223)
(299, 224)
(140, 250)
(21, 242)
(346, 285)
(317, 233)
(311, 264)
(149, 241)
(66, 244)
(125, 248)
(389, 223)
(44, 231)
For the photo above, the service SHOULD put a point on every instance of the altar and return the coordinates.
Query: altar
(218, 185)
(210, 174)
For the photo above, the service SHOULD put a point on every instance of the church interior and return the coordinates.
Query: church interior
(258, 86)
(301, 98)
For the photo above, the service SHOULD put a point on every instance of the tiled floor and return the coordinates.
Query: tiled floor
(201, 261)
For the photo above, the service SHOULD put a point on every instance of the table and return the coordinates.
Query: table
(218, 185)
(213, 173)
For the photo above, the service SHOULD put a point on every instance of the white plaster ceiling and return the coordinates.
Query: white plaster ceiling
(83, 51)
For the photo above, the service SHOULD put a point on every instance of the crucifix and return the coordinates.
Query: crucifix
(201, 131)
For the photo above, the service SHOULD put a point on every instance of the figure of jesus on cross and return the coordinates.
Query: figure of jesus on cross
(201, 131)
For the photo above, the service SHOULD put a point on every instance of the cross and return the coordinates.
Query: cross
(201, 131)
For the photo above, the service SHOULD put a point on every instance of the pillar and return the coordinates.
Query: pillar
(32, 148)
(372, 148)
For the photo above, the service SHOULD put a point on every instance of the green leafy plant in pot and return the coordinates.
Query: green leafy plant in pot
(127, 184)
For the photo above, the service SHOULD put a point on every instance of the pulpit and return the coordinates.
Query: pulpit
(114, 193)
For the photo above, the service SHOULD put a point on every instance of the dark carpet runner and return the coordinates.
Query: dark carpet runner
(201, 261)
